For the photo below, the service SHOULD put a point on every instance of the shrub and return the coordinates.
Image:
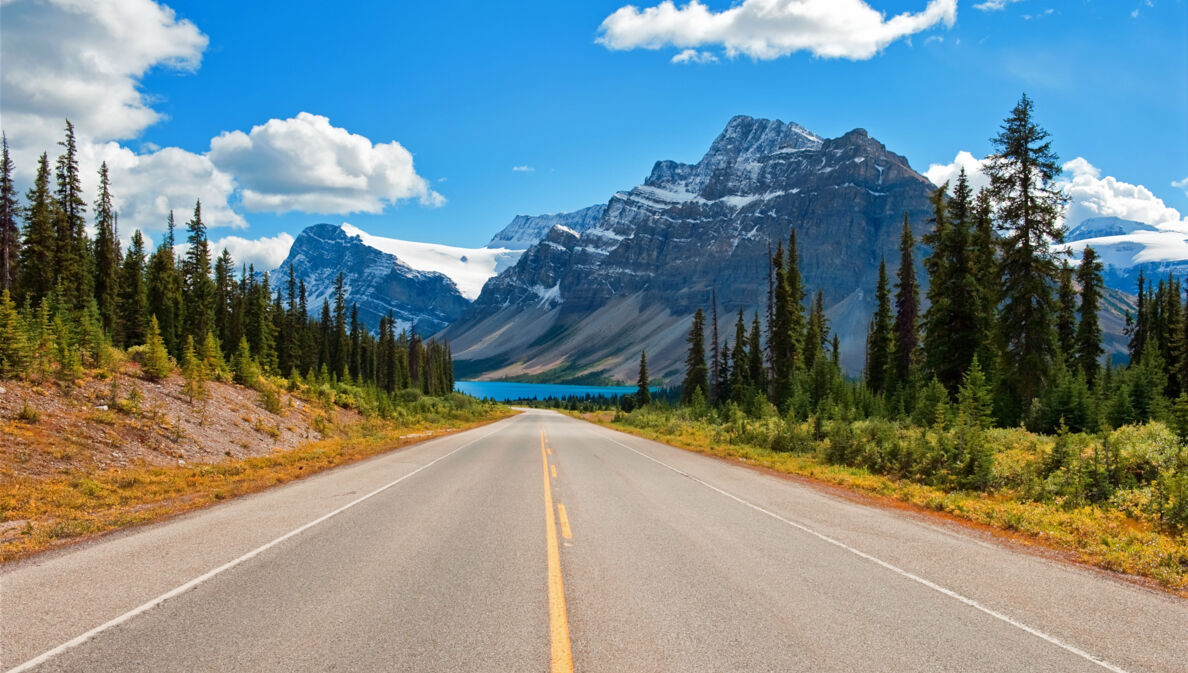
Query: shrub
(28, 414)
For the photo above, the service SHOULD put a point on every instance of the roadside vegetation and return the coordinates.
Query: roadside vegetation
(989, 402)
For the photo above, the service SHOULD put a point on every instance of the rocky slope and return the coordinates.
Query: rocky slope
(377, 281)
(582, 304)
(525, 231)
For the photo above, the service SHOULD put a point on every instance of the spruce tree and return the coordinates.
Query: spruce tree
(1066, 314)
(14, 346)
(133, 296)
(740, 372)
(907, 308)
(879, 345)
(198, 287)
(107, 254)
(38, 253)
(954, 329)
(975, 401)
(696, 374)
(10, 233)
(193, 371)
(1028, 205)
(164, 290)
(73, 255)
(715, 363)
(816, 332)
(1088, 337)
(156, 364)
(780, 341)
(796, 296)
(643, 392)
(757, 374)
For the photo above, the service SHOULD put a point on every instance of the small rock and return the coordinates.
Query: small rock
(101, 407)
(181, 463)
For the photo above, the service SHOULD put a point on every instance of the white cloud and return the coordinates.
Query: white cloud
(84, 59)
(305, 164)
(265, 253)
(1181, 184)
(523, 169)
(1090, 194)
(767, 29)
(694, 56)
(994, 5)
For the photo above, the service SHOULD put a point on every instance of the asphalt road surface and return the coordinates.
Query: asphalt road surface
(543, 543)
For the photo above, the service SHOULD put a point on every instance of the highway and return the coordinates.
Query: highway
(545, 543)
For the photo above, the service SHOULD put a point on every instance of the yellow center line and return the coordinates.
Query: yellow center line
(562, 655)
(565, 532)
(553, 470)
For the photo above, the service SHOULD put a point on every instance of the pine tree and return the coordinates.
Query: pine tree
(212, 358)
(907, 308)
(780, 341)
(156, 364)
(10, 233)
(756, 373)
(1066, 315)
(224, 300)
(164, 290)
(879, 345)
(975, 402)
(696, 374)
(740, 373)
(1137, 327)
(796, 296)
(133, 295)
(643, 392)
(107, 254)
(193, 371)
(198, 287)
(243, 367)
(38, 253)
(1088, 338)
(816, 332)
(14, 347)
(1028, 204)
(715, 364)
(73, 258)
(954, 328)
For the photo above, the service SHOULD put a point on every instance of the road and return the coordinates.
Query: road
(544, 543)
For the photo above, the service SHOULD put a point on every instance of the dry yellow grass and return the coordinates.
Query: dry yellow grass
(1097, 537)
(41, 513)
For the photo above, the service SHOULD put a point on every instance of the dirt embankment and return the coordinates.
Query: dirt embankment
(48, 429)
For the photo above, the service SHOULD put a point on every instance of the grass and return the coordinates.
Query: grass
(44, 513)
(1115, 535)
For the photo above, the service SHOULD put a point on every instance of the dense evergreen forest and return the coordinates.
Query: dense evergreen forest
(1010, 334)
(69, 298)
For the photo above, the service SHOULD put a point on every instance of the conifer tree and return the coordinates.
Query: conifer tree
(816, 332)
(224, 300)
(164, 290)
(696, 374)
(907, 308)
(780, 341)
(643, 392)
(198, 287)
(1028, 204)
(1066, 315)
(1088, 338)
(756, 375)
(193, 371)
(243, 367)
(14, 347)
(38, 253)
(73, 259)
(156, 364)
(879, 344)
(796, 296)
(214, 364)
(10, 233)
(107, 254)
(975, 400)
(133, 293)
(715, 363)
(954, 329)
(740, 373)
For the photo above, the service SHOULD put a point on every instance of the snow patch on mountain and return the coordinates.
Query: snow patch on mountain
(469, 268)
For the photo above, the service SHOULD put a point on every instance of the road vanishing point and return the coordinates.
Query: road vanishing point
(545, 543)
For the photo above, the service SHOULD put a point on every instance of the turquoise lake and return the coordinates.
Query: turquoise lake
(507, 390)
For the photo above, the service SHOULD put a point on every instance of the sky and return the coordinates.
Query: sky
(441, 121)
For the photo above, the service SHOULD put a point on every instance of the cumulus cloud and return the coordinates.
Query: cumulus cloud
(84, 59)
(694, 56)
(1090, 194)
(523, 169)
(265, 253)
(306, 164)
(1181, 184)
(768, 29)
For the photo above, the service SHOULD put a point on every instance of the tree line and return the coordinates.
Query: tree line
(67, 296)
(1009, 334)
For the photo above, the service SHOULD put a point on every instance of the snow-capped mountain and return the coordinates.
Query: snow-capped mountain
(525, 231)
(1126, 247)
(583, 303)
(376, 280)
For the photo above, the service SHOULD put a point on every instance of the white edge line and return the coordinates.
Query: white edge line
(895, 569)
(75, 642)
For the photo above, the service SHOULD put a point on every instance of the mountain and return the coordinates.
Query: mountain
(374, 278)
(581, 304)
(525, 231)
(1126, 247)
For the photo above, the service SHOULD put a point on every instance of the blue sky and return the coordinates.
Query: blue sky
(473, 89)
